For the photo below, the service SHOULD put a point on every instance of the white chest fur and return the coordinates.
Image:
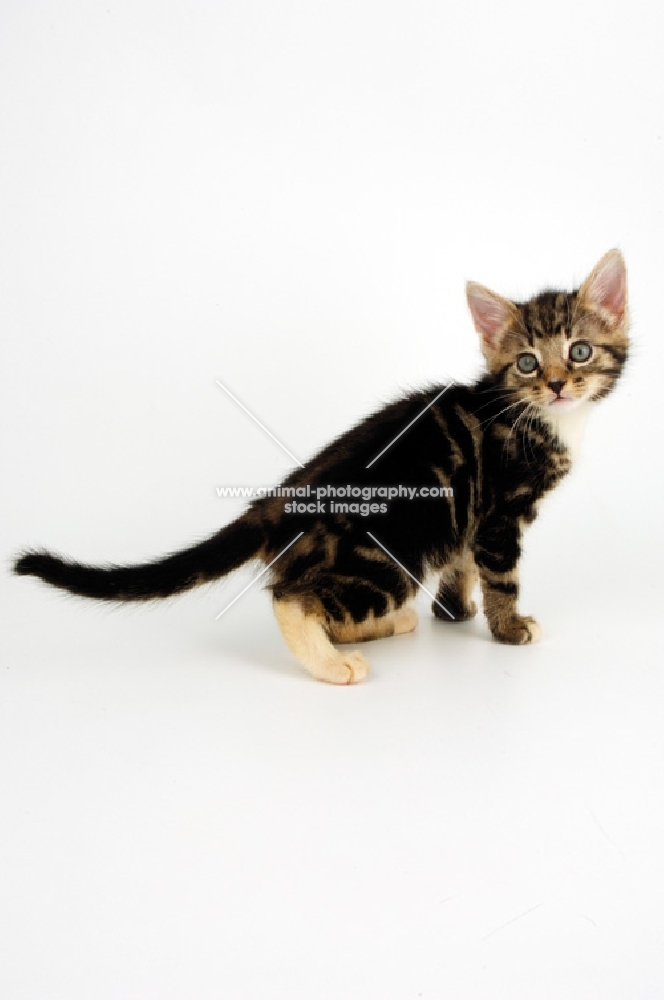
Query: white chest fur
(569, 426)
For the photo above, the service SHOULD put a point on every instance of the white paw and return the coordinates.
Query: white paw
(345, 668)
(535, 629)
(405, 620)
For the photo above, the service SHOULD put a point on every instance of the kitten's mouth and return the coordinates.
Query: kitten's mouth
(563, 402)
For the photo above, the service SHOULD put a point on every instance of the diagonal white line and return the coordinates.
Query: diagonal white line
(216, 617)
(262, 426)
(519, 916)
(409, 425)
(421, 585)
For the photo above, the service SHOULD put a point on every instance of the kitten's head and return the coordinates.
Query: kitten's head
(559, 349)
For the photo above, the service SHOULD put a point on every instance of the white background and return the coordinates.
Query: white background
(289, 197)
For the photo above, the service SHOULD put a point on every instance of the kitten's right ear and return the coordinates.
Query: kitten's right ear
(605, 289)
(491, 314)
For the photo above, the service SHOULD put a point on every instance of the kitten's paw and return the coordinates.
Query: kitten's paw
(461, 614)
(518, 630)
(405, 620)
(345, 668)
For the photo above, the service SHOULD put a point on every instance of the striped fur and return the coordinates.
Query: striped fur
(500, 444)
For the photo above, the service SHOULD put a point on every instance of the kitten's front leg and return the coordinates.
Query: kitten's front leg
(497, 550)
(454, 600)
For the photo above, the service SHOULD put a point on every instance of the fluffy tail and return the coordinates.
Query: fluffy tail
(172, 574)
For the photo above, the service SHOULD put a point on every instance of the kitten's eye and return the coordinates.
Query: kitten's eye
(580, 351)
(527, 363)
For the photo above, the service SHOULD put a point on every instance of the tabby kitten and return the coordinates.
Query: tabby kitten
(497, 446)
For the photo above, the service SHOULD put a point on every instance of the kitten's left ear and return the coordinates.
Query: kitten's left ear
(605, 289)
(492, 314)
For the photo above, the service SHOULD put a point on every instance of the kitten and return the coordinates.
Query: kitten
(497, 446)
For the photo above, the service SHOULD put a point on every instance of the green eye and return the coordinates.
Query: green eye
(580, 351)
(527, 363)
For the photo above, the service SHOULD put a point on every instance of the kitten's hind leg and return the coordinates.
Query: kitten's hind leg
(455, 590)
(393, 623)
(307, 638)
(405, 620)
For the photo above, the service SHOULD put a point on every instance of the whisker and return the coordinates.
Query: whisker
(499, 388)
(492, 402)
(489, 421)
(529, 425)
(514, 426)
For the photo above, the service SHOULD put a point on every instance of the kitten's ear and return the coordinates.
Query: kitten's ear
(491, 314)
(605, 289)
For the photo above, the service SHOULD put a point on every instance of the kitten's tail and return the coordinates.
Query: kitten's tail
(239, 541)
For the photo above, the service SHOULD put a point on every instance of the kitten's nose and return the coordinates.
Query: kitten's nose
(556, 385)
